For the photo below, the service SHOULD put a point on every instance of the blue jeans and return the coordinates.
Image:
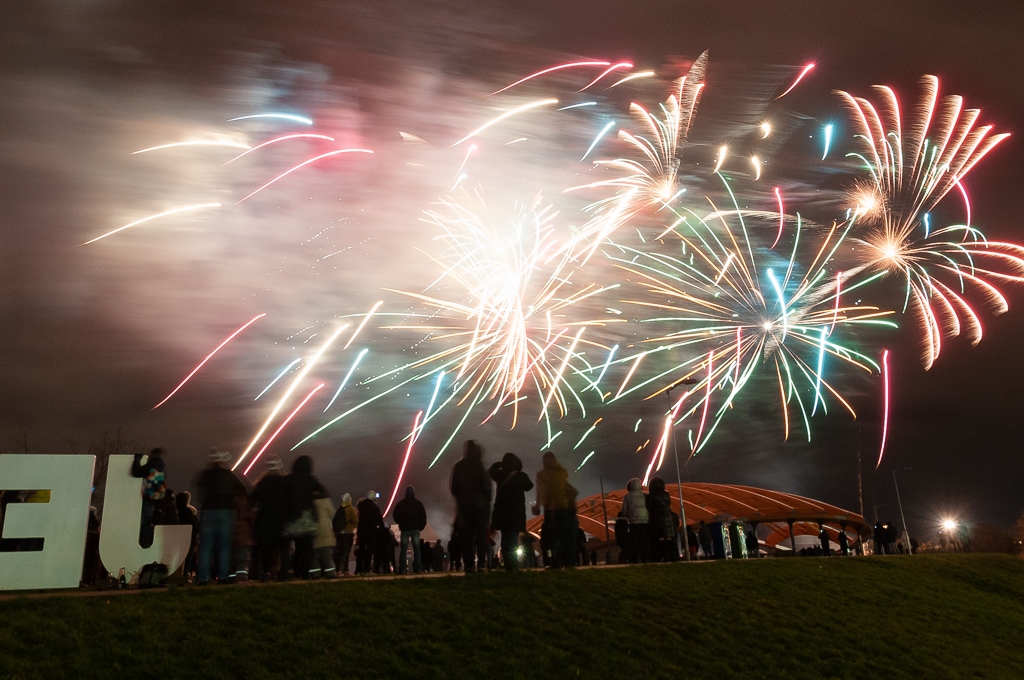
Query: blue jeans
(216, 529)
(417, 563)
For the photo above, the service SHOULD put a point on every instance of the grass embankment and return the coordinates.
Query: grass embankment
(926, 616)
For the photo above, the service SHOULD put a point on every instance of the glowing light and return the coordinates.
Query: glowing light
(633, 76)
(766, 129)
(302, 165)
(723, 152)
(405, 462)
(807, 69)
(949, 524)
(351, 370)
(613, 67)
(310, 363)
(597, 139)
(885, 405)
(278, 116)
(507, 114)
(285, 138)
(196, 142)
(287, 420)
(756, 162)
(782, 217)
(210, 356)
(279, 376)
(560, 67)
(828, 141)
(166, 213)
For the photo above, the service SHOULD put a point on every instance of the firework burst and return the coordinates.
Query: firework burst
(913, 165)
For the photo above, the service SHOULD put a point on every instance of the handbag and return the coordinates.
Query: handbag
(152, 575)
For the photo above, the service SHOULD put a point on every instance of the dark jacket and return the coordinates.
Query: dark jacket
(370, 519)
(218, 487)
(301, 485)
(270, 497)
(659, 511)
(470, 484)
(410, 515)
(510, 500)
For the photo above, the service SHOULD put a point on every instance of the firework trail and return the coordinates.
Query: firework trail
(913, 165)
(208, 357)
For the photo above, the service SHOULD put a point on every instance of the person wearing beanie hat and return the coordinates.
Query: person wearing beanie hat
(154, 490)
(345, 522)
(411, 517)
(218, 488)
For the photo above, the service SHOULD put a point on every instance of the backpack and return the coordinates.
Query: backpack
(153, 575)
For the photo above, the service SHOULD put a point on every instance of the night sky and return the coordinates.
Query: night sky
(92, 337)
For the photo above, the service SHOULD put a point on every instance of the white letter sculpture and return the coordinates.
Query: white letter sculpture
(62, 523)
(122, 517)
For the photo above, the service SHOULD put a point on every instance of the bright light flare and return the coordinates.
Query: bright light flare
(166, 213)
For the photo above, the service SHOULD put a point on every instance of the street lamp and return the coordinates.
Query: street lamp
(906, 534)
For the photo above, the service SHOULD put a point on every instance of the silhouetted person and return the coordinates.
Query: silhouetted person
(154, 490)
(270, 498)
(660, 526)
(471, 488)
(826, 546)
(91, 563)
(242, 541)
(704, 538)
(438, 550)
(509, 516)
(301, 525)
(370, 520)
(634, 507)
(557, 535)
(345, 522)
(844, 542)
(693, 540)
(218, 487)
(753, 548)
(411, 517)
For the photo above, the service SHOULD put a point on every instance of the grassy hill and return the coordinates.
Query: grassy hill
(933, 616)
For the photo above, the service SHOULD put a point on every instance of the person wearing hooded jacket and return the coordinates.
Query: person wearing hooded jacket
(471, 487)
(634, 507)
(301, 525)
(411, 517)
(553, 497)
(370, 520)
(509, 516)
(270, 498)
(345, 521)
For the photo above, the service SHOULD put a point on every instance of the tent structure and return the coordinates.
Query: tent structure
(776, 516)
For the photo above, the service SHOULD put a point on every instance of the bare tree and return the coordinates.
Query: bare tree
(103, 447)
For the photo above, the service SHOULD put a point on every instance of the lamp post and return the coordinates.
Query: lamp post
(906, 534)
(679, 479)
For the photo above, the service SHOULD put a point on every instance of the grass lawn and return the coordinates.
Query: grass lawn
(934, 616)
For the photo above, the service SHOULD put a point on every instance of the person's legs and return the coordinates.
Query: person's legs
(225, 532)
(345, 552)
(417, 558)
(403, 546)
(303, 556)
(242, 556)
(482, 551)
(206, 540)
(327, 562)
